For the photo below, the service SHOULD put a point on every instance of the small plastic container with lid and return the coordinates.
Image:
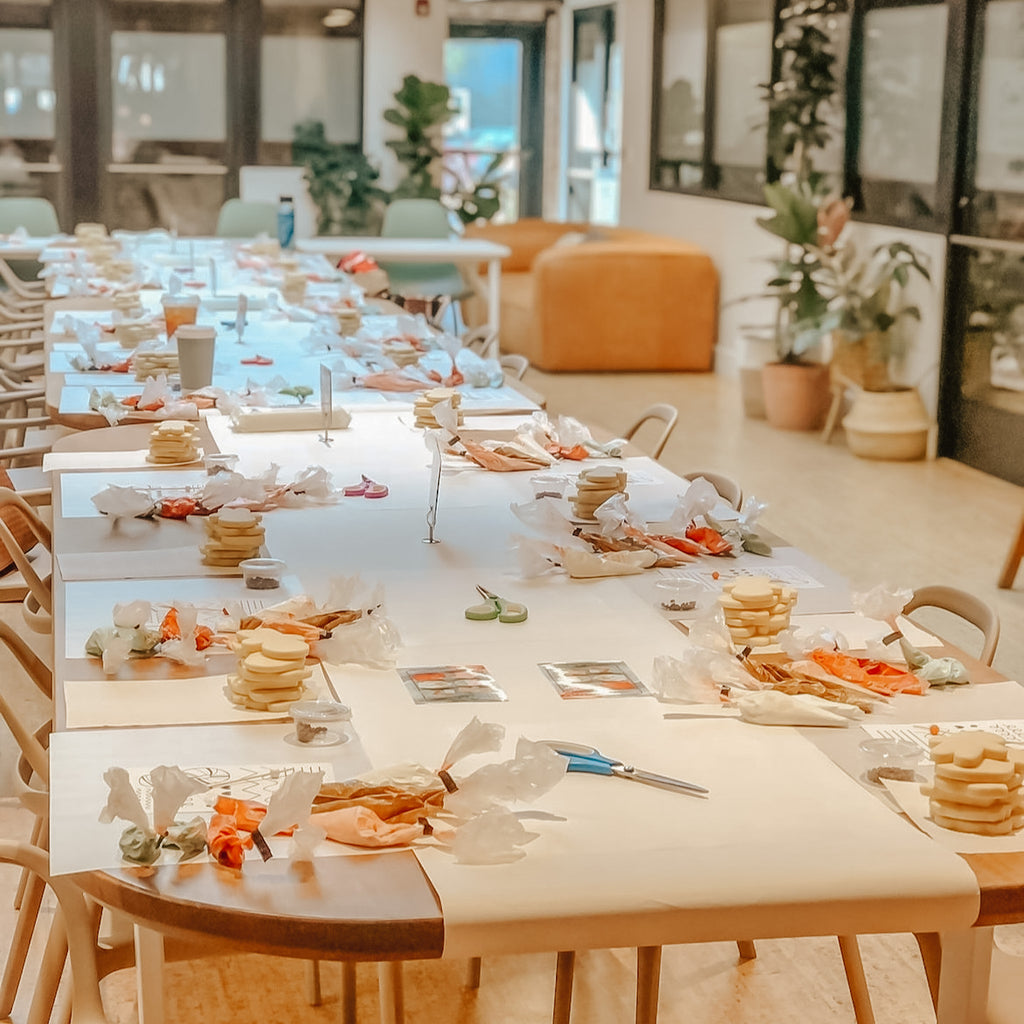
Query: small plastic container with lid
(262, 573)
(320, 723)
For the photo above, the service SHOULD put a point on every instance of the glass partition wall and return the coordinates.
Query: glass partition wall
(28, 99)
(157, 104)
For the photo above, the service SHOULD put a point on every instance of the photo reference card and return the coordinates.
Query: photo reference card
(576, 679)
(451, 684)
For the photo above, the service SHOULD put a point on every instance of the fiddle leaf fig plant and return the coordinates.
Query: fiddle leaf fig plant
(421, 110)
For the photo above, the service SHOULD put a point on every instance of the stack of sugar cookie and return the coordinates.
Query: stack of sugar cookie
(271, 670)
(594, 487)
(153, 362)
(233, 535)
(173, 442)
(423, 407)
(756, 610)
(977, 785)
(401, 353)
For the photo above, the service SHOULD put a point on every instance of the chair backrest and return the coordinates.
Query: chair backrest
(968, 607)
(482, 340)
(77, 920)
(415, 218)
(246, 218)
(33, 213)
(14, 509)
(728, 489)
(667, 414)
(515, 365)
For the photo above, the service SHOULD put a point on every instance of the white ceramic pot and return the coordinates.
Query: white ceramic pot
(888, 425)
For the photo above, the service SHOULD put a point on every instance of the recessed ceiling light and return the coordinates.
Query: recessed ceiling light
(339, 17)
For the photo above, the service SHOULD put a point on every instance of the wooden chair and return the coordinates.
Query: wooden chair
(32, 290)
(970, 608)
(515, 365)
(1013, 558)
(667, 415)
(728, 489)
(19, 526)
(482, 340)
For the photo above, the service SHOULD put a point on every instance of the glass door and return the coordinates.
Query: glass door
(595, 118)
(495, 73)
(982, 404)
(168, 115)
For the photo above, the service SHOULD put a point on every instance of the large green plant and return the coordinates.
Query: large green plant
(421, 110)
(342, 182)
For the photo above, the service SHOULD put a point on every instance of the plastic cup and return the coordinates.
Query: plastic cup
(220, 462)
(262, 573)
(195, 356)
(678, 595)
(886, 758)
(319, 723)
(178, 310)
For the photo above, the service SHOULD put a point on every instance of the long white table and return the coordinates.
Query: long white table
(423, 250)
(787, 843)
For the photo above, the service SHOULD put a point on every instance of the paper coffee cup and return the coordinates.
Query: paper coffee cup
(195, 356)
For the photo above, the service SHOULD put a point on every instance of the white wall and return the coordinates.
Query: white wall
(728, 230)
(397, 43)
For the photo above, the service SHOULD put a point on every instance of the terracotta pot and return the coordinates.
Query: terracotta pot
(890, 424)
(796, 395)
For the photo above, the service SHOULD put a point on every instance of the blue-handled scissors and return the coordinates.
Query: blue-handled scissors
(589, 759)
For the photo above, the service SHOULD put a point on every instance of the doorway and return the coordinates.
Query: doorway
(496, 74)
(595, 118)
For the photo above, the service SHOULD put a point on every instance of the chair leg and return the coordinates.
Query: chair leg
(50, 970)
(832, 420)
(1013, 559)
(931, 957)
(748, 951)
(473, 972)
(648, 982)
(565, 968)
(856, 980)
(20, 942)
(392, 995)
(26, 874)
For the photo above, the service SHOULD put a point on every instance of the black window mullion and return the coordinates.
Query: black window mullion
(242, 68)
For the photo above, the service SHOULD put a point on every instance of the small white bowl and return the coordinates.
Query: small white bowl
(262, 573)
(313, 720)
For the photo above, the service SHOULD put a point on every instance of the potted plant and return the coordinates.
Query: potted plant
(342, 183)
(796, 392)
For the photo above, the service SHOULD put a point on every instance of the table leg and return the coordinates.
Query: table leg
(149, 974)
(564, 971)
(963, 981)
(348, 992)
(314, 991)
(392, 996)
(648, 981)
(473, 972)
(494, 293)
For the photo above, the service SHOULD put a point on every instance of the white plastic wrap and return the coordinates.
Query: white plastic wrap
(698, 677)
(171, 788)
(123, 502)
(493, 837)
(290, 803)
(475, 738)
(883, 602)
(798, 643)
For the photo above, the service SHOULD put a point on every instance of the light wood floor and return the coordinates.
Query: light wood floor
(910, 524)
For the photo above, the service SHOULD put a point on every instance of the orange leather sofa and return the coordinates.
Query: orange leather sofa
(613, 299)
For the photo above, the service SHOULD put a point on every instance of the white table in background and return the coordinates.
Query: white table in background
(422, 250)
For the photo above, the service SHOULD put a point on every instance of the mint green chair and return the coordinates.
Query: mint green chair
(245, 218)
(421, 218)
(37, 216)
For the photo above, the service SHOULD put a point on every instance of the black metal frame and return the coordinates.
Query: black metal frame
(532, 36)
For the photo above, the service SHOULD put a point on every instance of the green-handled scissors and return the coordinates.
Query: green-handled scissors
(494, 607)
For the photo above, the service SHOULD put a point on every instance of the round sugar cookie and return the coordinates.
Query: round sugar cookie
(285, 646)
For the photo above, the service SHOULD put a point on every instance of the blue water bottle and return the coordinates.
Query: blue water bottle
(286, 222)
